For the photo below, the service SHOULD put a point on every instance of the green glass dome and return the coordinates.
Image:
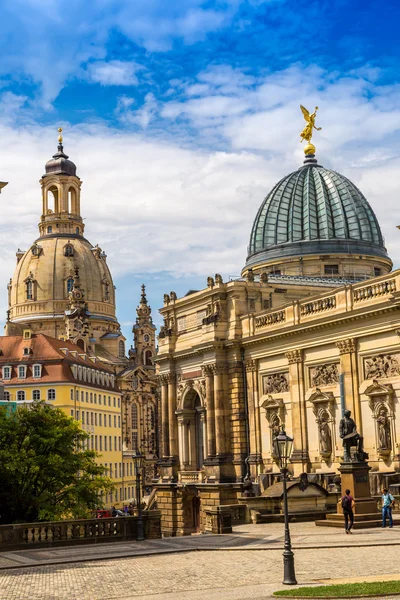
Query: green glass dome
(314, 211)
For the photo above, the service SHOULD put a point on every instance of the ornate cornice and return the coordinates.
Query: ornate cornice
(347, 346)
(294, 356)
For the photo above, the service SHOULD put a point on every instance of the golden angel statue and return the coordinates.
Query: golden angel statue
(307, 132)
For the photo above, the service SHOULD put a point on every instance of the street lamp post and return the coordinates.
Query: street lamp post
(283, 449)
(138, 460)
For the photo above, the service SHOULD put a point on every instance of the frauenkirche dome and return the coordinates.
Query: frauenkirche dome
(61, 267)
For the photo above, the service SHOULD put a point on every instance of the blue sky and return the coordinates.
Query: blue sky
(181, 115)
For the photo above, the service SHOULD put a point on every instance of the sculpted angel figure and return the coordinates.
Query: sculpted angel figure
(307, 132)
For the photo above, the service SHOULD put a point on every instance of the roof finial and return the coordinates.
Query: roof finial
(307, 132)
(60, 140)
(143, 299)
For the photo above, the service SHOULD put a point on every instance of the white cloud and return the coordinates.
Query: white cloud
(114, 72)
(161, 203)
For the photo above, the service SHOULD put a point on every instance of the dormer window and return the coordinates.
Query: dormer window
(37, 371)
(7, 372)
(27, 351)
(68, 250)
(36, 250)
(21, 372)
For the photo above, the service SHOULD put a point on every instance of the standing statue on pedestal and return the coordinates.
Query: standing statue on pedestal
(350, 437)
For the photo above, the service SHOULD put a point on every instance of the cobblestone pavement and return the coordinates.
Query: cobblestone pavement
(247, 564)
(191, 575)
(251, 537)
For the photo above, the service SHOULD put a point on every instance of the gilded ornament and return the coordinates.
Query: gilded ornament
(307, 132)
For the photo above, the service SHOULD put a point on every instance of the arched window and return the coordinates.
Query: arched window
(106, 291)
(7, 396)
(51, 394)
(52, 200)
(49, 229)
(135, 425)
(147, 358)
(70, 284)
(121, 349)
(77, 231)
(36, 395)
(68, 250)
(29, 289)
(81, 344)
(21, 396)
(72, 204)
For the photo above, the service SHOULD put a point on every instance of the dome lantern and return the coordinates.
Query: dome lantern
(61, 189)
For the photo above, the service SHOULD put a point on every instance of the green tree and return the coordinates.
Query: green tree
(45, 471)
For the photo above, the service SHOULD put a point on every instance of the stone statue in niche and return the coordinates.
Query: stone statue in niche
(325, 437)
(384, 365)
(384, 436)
(276, 383)
(324, 375)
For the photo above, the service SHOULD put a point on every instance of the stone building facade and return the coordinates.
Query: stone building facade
(311, 328)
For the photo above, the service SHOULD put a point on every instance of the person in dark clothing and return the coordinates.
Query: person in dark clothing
(347, 506)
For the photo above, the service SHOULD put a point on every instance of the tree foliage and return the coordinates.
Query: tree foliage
(45, 472)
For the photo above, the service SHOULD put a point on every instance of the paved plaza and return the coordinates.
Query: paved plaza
(246, 564)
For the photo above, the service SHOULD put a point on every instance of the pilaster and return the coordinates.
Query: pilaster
(300, 456)
(349, 370)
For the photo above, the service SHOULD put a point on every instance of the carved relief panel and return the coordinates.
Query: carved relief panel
(275, 383)
(327, 374)
(382, 366)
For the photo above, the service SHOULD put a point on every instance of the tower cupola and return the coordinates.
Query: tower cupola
(61, 189)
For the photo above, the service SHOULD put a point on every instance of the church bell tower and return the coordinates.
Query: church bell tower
(61, 191)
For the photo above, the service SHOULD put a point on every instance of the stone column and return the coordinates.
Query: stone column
(254, 432)
(349, 370)
(208, 374)
(172, 420)
(219, 371)
(299, 418)
(164, 416)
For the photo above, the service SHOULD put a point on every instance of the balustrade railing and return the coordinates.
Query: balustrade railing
(270, 319)
(381, 288)
(84, 531)
(318, 306)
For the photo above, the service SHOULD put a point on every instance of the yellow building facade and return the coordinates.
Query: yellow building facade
(310, 329)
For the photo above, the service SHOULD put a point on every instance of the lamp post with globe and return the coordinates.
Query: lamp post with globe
(138, 462)
(283, 448)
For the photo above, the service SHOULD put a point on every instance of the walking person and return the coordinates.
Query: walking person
(347, 506)
(387, 505)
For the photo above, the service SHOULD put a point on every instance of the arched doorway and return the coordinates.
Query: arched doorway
(192, 432)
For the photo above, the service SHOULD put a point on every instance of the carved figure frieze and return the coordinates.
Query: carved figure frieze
(382, 366)
(321, 375)
(275, 383)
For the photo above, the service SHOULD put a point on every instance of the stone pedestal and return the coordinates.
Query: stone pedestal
(355, 478)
